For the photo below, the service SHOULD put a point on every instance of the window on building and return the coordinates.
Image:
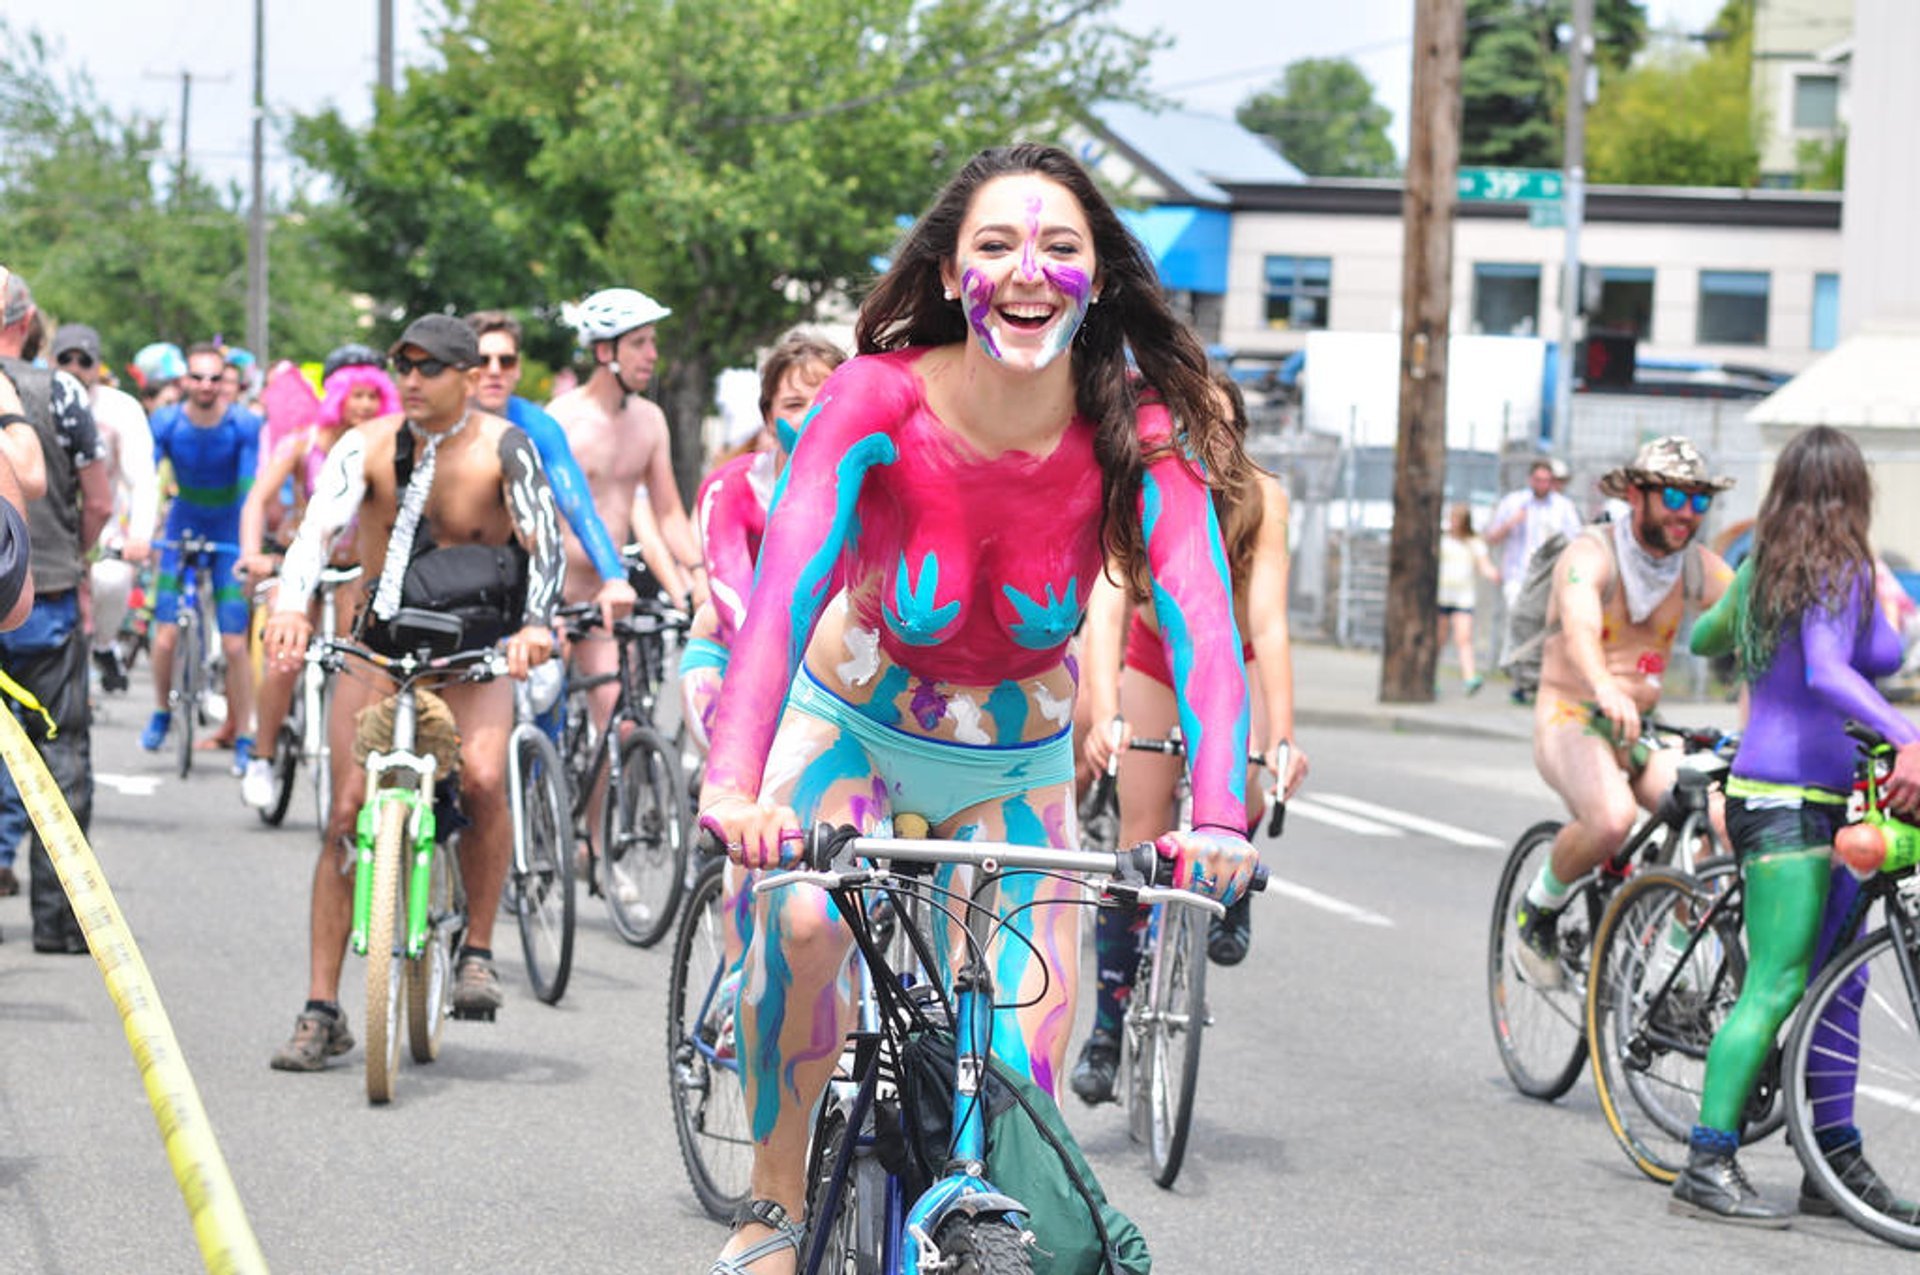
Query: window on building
(1816, 102)
(1733, 307)
(1619, 298)
(1826, 311)
(1298, 292)
(1506, 299)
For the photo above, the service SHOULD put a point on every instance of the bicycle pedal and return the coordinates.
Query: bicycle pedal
(474, 1015)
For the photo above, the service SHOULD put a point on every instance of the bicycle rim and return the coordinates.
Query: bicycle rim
(385, 925)
(703, 1075)
(1540, 1031)
(643, 840)
(430, 974)
(543, 863)
(1180, 1012)
(1871, 1066)
(321, 754)
(186, 706)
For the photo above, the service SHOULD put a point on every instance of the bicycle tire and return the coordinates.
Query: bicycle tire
(386, 991)
(983, 1244)
(1176, 1013)
(704, 1090)
(286, 766)
(856, 1231)
(542, 867)
(1540, 1032)
(1883, 1056)
(430, 974)
(321, 755)
(1649, 1062)
(186, 697)
(643, 840)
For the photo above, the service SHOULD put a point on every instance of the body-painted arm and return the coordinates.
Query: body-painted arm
(859, 408)
(335, 500)
(1828, 640)
(1267, 631)
(724, 504)
(1718, 627)
(535, 521)
(1193, 600)
(569, 487)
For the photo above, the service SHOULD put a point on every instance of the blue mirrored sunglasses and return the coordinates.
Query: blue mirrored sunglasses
(1676, 498)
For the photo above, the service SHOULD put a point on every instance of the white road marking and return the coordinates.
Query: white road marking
(128, 785)
(1413, 823)
(1314, 810)
(1325, 902)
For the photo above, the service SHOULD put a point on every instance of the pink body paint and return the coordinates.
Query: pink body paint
(732, 523)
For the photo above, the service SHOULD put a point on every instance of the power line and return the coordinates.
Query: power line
(1225, 77)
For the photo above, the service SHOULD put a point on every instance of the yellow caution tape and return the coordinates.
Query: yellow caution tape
(29, 701)
(220, 1225)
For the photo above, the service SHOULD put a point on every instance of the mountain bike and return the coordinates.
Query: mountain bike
(539, 885)
(303, 737)
(198, 697)
(409, 904)
(1541, 1030)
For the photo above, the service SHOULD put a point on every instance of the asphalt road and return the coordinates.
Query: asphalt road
(1353, 1114)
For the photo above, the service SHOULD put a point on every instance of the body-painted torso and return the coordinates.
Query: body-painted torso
(213, 466)
(731, 513)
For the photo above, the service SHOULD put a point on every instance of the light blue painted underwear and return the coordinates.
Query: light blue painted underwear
(938, 778)
(701, 653)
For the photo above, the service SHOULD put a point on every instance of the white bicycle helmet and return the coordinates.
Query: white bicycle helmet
(607, 314)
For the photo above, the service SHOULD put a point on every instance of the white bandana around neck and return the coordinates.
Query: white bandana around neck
(1645, 578)
(406, 523)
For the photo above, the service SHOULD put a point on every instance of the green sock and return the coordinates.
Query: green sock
(1548, 892)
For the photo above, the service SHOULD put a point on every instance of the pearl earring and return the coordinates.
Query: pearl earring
(948, 294)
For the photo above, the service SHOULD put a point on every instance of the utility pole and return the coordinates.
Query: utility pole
(1426, 296)
(186, 111)
(1574, 205)
(385, 45)
(257, 217)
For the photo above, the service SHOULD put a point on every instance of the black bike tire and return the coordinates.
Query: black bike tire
(386, 990)
(1187, 943)
(543, 888)
(186, 677)
(983, 1244)
(1550, 1076)
(859, 1216)
(286, 766)
(699, 924)
(649, 772)
(430, 974)
(1800, 1117)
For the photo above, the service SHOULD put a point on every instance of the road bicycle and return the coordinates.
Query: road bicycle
(703, 1066)
(409, 904)
(1168, 1011)
(303, 737)
(198, 696)
(1540, 1029)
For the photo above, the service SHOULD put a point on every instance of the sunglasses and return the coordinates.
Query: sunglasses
(1678, 498)
(76, 358)
(428, 368)
(501, 362)
(205, 379)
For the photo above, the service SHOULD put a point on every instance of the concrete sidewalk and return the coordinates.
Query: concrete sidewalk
(1340, 686)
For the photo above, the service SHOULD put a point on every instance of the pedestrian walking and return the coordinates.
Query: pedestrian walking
(1464, 562)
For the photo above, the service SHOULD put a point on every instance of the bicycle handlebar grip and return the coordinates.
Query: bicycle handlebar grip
(1278, 819)
(1864, 733)
(1145, 864)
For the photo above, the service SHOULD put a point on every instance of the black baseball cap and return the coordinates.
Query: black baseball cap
(76, 336)
(443, 337)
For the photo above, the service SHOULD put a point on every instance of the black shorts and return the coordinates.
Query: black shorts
(1757, 826)
(1447, 610)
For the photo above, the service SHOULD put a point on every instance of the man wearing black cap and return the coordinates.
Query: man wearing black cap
(438, 474)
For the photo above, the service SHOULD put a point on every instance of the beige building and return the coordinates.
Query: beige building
(1800, 54)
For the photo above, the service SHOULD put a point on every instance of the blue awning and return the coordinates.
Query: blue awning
(1188, 245)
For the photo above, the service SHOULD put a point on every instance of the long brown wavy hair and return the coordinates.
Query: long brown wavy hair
(905, 309)
(1241, 508)
(1810, 543)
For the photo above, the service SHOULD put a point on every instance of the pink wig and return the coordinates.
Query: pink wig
(341, 385)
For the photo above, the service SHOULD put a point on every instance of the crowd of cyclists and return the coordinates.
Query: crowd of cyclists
(949, 575)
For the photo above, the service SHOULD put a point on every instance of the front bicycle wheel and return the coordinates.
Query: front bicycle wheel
(430, 974)
(856, 1227)
(1175, 1019)
(1661, 987)
(386, 928)
(319, 749)
(541, 878)
(1539, 1029)
(1853, 1057)
(186, 694)
(983, 1244)
(286, 763)
(643, 839)
(703, 1066)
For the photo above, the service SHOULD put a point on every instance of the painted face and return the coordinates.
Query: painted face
(1025, 268)
(499, 371)
(794, 395)
(362, 405)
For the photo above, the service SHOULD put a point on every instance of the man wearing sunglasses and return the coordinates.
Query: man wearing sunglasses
(1620, 591)
(438, 481)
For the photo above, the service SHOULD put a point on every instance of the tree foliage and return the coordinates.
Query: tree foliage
(1513, 75)
(1322, 115)
(84, 222)
(741, 160)
(1681, 117)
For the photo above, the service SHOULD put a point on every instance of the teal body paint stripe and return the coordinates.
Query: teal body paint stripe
(1024, 828)
(817, 572)
(1008, 708)
(883, 707)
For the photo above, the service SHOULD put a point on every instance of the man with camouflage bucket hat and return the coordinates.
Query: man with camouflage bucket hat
(1620, 590)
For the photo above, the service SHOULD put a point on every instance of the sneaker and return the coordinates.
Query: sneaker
(1473, 686)
(1094, 1073)
(256, 783)
(476, 988)
(1850, 1163)
(317, 1036)
(1229, 936)
(1713, 1186)
(242, 756)
(1538, 951)
(107, 664)
(156, 732)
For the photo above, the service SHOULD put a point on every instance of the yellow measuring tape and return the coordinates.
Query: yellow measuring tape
(220, 1222)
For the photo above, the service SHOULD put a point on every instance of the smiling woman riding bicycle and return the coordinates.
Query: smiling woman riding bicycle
(962, 482)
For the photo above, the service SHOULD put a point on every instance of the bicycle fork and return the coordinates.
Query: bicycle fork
(419, 845)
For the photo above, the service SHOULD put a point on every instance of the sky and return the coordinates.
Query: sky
(318, 52)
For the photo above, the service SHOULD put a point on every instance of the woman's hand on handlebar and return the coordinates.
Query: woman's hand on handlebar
(1211, 861)
(530, 646)
(286, 637)
(1103, 741)
(1903, 785)
(1294, 766)
(755, 834)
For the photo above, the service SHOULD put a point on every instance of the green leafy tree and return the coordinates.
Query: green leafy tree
(1322, 115)
(1513, 74)
(82, 219)
(743, 160)
(1822, 165)
(1681, 117)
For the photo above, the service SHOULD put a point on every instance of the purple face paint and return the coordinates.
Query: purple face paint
(979, 293)
(1077, 288)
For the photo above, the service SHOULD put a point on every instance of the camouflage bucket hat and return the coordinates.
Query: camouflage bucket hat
(1671, 460)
